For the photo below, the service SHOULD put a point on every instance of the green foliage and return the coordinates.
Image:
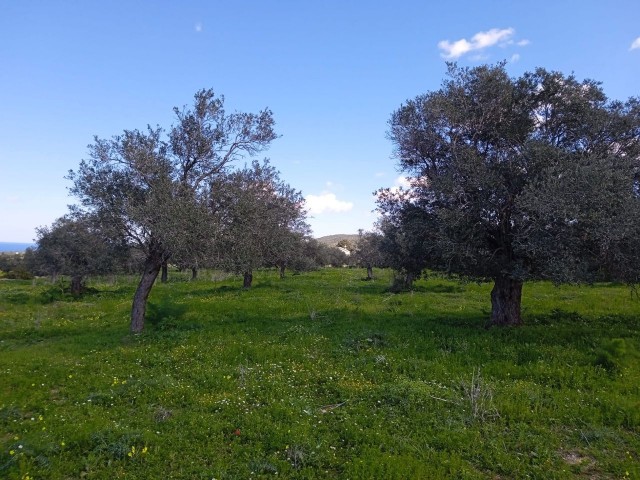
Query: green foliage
(19, 273)
(15, 265)
(319, 375)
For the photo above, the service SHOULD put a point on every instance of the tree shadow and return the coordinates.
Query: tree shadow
(165, 314)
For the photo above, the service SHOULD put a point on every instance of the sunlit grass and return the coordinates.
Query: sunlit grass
(320, 375)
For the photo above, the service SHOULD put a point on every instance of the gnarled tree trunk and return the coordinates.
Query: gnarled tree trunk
(282, 269)
(248, 279)
(506, 297)
(194, 273)
(152, 266)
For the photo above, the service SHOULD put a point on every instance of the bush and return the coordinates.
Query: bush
(19, 273)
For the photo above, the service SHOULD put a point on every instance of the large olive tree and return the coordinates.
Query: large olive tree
(534, 177)
(151, 189)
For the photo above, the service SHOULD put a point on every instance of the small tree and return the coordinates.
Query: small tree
(259, 216)
(404, 243)
(290, 250)
(368, 253)
(151, 191)
(74, 246)
(521, 178)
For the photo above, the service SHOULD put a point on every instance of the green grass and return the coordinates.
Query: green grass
(320, 375)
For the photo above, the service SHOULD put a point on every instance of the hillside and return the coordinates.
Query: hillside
(332, 240)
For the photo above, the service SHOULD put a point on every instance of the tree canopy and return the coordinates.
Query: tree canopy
(520, 178)
(260, 219)
(74, 246)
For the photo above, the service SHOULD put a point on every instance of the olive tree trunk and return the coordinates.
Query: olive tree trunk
(194, 273)
(76, 285)
(369, 272)
(408, 280)
(165, 272)
(506, 297)
(152, 266)
(248, 279)
(282, 269)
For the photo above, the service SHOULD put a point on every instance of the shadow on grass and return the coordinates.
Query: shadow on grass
(165, 313)
(17, 298)
(81, 336)
(442, 288)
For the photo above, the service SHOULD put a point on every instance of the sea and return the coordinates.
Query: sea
(14, 247)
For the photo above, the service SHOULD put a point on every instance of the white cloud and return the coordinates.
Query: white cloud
(523, 43)
(403, 181)
(480, 57)
(514, 58)
(479, 42)
(400, 182)
(490, 38)
(198, 27)
(326, 202)
(635, 44)
(455, 49)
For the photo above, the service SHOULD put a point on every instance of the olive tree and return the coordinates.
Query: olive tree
(259, 217)
(150, 188)
(368, 252)
(404, 242)
(534, 177)
(74, 246)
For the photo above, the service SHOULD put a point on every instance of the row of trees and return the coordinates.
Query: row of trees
(75, 247)
(153, 197)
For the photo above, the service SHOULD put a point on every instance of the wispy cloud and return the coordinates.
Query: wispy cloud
(635, 44)
(198, 27)
(514, 58)
(326, 202)
(478, 43)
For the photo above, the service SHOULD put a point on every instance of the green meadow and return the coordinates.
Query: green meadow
(319, 375)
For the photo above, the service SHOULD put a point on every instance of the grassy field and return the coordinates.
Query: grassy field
(320, 375)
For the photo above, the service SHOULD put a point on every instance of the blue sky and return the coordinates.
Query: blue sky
(331, 71)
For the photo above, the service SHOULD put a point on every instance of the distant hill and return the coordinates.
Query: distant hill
(14, 247)
(332, 240)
